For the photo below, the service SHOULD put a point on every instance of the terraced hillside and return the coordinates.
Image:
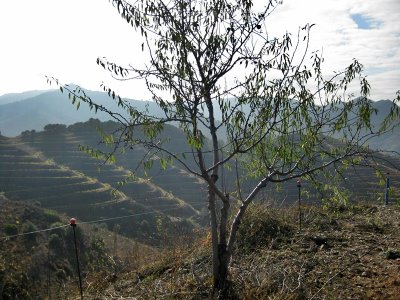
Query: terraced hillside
(365, 182)
(48, 169)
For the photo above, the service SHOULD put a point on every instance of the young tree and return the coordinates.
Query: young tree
(217, 74)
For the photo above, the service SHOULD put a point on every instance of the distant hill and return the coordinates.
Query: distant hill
(13, 97)
(33, 110)
(36, 109)
(389, 141)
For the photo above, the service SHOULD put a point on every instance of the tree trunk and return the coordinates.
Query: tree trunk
(224, 259)
(223, 255)
(225, 249)
(220, 255)
(211, 188)
(214, 235)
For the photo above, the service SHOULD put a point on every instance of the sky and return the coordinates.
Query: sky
(63, 38)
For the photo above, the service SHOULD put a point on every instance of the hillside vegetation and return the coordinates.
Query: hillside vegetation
(37, 255)
(350, 253)
(345, 252)
(48, 169)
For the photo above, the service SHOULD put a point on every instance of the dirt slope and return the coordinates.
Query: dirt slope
(347, 253)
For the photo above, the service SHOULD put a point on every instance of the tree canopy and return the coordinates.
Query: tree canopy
(245, 99)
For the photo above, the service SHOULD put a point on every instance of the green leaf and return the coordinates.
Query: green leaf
(163, 163)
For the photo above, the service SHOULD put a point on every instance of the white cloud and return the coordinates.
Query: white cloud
(63, 39)
(382, 84)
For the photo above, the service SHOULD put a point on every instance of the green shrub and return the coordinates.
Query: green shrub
(10, 229)
(29, 227)
(97, 257)
(51, 216)
(56, 243)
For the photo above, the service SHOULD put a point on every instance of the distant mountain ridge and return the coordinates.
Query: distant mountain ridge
(33, 110)
(13, 97)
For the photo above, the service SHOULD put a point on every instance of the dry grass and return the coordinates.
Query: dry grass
(351, 254)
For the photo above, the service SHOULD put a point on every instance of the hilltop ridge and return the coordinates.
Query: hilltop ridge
(33, 110)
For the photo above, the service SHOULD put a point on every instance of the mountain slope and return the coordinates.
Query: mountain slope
(54, 107)
(35, 109)
(14, 97)
(47, 169)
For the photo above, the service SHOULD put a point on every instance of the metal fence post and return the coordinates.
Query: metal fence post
(387, 189)
(299, 187)
(72, 222)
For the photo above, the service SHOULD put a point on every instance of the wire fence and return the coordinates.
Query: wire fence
(102, 220)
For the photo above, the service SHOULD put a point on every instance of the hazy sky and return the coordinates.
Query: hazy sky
(63, 38)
